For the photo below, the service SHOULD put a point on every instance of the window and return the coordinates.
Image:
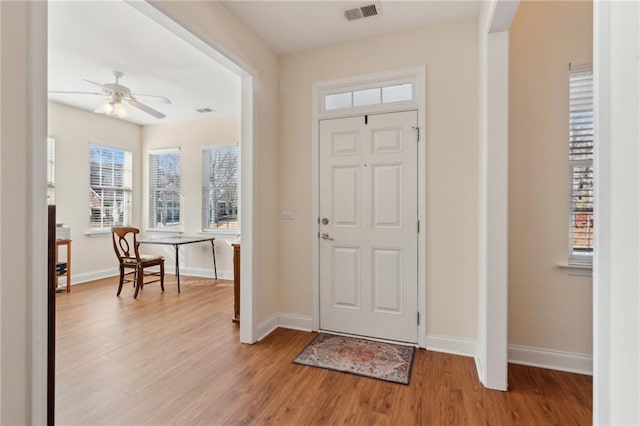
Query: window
(164, 191)
(220, 188)
(51, 171)
(383, 94)
(109, 187)
(581, 163)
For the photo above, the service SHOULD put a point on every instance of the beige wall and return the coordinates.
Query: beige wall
(449, 53)
(74, 130)
(15, 175)
(217, 26)
(547, 307)
(191, 137)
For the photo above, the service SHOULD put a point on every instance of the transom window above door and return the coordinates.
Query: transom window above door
(383, 94)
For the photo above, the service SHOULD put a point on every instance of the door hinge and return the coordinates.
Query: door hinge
(417, 133)
(418, 227)
(366, 120)
(418, 318)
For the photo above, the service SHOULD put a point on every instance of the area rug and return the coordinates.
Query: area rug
(382, 361)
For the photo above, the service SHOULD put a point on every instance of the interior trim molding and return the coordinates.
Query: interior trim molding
(553, 360)
(267, 326)
(452, 345)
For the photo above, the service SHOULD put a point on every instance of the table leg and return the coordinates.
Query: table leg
(177, 267)
(213, 250)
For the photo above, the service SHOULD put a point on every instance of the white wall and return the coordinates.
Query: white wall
(450, 55)
(548, 308)
(74, 130)
(617, 226)
(191, 137)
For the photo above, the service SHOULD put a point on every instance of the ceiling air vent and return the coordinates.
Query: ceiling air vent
(362, 12)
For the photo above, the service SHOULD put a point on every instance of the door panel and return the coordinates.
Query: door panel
(346, 196)
(369, 245)
(387, 196)
(387, 280)
(346, 277)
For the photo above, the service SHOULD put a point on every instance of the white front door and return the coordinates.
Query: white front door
(369, 226)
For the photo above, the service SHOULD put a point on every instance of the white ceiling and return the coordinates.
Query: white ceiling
(87, 40)
(290, 26)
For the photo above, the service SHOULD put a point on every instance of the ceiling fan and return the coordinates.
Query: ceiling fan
(117, 93)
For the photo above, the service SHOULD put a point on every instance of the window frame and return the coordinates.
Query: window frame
(578, 259)
(206, 187)
(152, 223)
(127, 190)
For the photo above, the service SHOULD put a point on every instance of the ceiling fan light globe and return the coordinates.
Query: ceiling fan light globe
(118, 110)
(106, 108)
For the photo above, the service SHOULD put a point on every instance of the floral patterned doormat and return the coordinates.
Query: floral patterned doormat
(382, 361)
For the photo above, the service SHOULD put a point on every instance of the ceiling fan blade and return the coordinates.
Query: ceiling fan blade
(62, 92)
(142, 107)
(103, 87)
(162, 99)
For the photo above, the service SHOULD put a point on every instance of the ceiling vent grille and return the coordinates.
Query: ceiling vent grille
(362, 12)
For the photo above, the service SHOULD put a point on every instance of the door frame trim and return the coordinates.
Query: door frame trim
(417, 75)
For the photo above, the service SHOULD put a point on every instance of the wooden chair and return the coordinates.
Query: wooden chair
(125, 245)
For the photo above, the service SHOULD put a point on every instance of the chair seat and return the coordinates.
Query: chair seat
(144, 258)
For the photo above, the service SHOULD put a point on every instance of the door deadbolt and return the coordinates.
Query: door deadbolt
(325, 221)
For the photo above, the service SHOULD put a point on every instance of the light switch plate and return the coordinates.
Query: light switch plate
(286, 213)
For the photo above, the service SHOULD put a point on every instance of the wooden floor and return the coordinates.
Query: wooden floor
(175, 359)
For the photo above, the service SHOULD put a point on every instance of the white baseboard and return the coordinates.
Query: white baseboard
(267, 326)
(452, 345)
(112, 272)
(554, 360)
(202, 272)
(294, 322)
(479, 372)
(89, 276)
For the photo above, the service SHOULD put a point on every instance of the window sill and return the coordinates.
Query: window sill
(235, 234)
(98, 233)
(165, 230)
(577, 269)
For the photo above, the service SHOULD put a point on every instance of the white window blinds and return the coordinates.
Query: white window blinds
(51, 171)
(164, 191)
(220, 175)
(109, 187)
(581, 162)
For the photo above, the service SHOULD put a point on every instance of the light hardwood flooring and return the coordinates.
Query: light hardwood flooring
(169, 358)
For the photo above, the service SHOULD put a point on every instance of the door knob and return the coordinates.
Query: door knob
(325, 221)
(325, 236)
